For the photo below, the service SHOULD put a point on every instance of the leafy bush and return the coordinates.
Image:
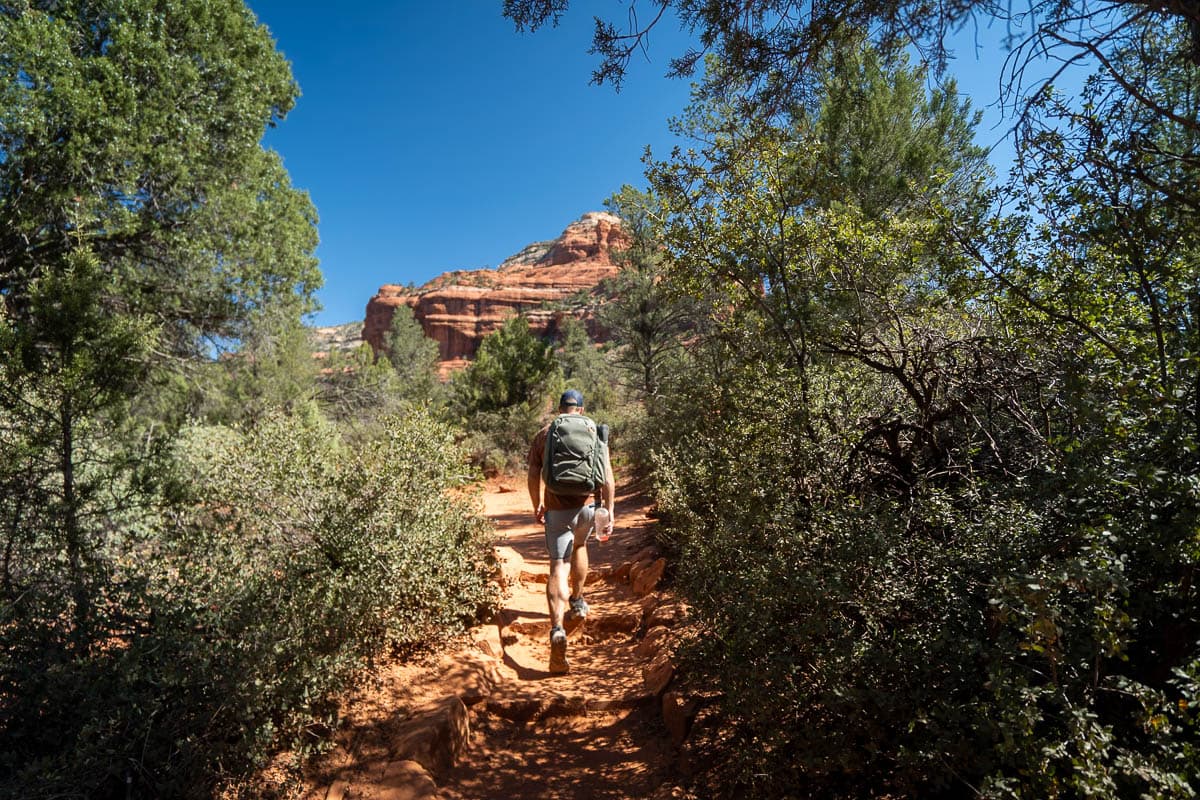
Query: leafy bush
(974, 632)
(838, 628)
(936, 508)
(291, 563)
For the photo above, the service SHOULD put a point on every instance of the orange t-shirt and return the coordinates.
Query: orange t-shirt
(556, 502)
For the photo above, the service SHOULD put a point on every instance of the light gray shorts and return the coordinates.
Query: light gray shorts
(567, 529)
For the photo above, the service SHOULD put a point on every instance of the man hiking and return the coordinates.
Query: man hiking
(569, 457)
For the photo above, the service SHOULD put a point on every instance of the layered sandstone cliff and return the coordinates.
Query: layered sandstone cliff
(458, 309)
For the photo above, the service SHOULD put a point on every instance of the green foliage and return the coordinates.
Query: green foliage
(272, 369)
(499, 399)
(64, 468)
(933, 475)
(770, 55)
(168, 619)
(853, 468)
(785, 260)
(360, 389)
(646, 321)
(413, 356)
(197, 228)
(1100, 274)
(584, 367)
(882, 137)
(512, 368)
(290, 562)
(847, 634)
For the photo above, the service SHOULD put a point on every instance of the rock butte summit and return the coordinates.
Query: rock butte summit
(458, 309)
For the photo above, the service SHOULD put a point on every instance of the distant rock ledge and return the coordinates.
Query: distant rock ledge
(458, 309)
(329, 338)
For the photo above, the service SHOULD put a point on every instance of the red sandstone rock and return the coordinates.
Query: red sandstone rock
(532, 628)
(646, 554)
(523, 705)
(653, 642)
(516, 708)
(487, 641)
(405, 780)
(590, 239)
(458, 309)
(658, 673)
(619, 622)
(470, 674)
(510, 567)
(678, 712)
(667, 614)
(645, 580)
(619, 574)
(435, 736)
(633, 700)
(650, 602)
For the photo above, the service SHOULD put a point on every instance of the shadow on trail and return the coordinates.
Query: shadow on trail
(526, 673)
(563, 759)
(507, 522)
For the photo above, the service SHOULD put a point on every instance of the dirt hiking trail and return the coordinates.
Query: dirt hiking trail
(488, 720)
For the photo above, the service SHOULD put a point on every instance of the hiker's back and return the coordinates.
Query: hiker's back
(573, 464)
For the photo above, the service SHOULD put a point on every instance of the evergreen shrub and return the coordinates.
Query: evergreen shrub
(286, 564)
(1006, 634)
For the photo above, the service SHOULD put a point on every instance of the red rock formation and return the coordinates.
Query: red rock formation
(458, 309)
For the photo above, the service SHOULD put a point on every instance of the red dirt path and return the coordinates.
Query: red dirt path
(607, 738)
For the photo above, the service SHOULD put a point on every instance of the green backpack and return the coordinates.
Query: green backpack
(572, 464)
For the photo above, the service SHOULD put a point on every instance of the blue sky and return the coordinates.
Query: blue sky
(433, 136)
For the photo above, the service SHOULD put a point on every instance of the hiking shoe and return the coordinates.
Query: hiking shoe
(579, 608)
(558, 651)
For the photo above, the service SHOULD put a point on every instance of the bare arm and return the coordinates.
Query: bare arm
(534, 482)
(608, 494)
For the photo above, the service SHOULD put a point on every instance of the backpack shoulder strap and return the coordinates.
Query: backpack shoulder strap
(549, 447)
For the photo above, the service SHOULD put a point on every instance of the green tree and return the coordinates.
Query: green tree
(141, 223)
(988, 506)
(272, 369)
(132, 128)
(360, 388)
(779, 227)
(512, 368)
(770, 54)
(501, 396)
(360, 391)
(412, 354)
(843, 408)
(883, 137)
(129, 136)
(1098, 276)
(237, 618)
(65, 385)
(583, 366)
(646, 321)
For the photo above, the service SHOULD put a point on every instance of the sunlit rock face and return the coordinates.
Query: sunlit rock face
(458, 309)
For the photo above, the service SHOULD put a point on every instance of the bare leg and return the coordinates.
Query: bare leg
(579, 565)
(556, 590)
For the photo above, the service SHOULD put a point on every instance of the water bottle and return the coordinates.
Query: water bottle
(600, 524)
(600, 520)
